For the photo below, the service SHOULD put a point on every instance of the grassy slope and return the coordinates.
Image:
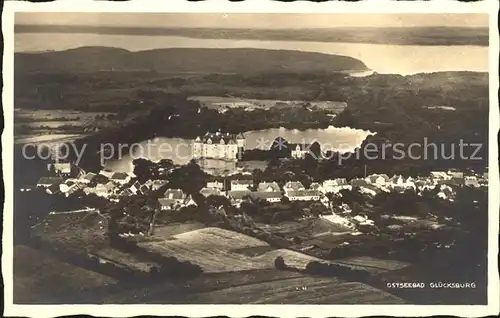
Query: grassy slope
(36, 275)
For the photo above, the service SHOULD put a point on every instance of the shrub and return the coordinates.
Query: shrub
(279, 263)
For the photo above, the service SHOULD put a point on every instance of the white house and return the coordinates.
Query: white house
(335, 185)
(439, 175)
(61, 168)
(362, 220)
(101, 189)
(177, 195)
(175, 199)
(215, 185)
(456, 174)
(303, 195)
(471, 181)
(299, 151)
(241, 185)
(377, 179)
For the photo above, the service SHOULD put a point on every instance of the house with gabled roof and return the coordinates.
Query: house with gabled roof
(206, 192)
(175, 194)
(335, 185)
(120, 177)
(173, 201)
(293, 186)
(238, 196)
(268, 187)
(377, 179)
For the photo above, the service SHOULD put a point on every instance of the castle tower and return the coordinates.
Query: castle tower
(197, 148)
(240, 140)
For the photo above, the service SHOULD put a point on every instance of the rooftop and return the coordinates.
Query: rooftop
(174, 194)
(50, 180)
(119, 176)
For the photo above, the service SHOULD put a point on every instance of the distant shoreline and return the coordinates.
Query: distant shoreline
(429, 36)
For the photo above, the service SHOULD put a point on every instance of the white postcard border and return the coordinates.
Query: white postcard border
(436, 6)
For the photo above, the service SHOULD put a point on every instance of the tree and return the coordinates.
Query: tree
(279, 263)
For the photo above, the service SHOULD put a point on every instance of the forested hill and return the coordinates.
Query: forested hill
(183, 60)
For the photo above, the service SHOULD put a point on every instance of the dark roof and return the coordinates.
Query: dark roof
(119, 176)
(239, 194)
(358, 182)
(50, 180)
(89, 176)
(243, 182)
(53, 188)
(265, 195)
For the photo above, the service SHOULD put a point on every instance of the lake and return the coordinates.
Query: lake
(382, 58)
(179, 150)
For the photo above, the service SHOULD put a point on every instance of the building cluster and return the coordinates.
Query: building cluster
(238, 191)
(106, 184)
(65, 179)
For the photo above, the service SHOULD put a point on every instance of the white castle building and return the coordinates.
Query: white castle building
(218, 146)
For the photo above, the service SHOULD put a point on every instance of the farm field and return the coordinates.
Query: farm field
(264, 286)
(164, 231)
(36, 125)
(47, 139)
(298, 290)
(74, 231)
(373, 265)
(35, 275)
(127, 260)
(217, 250)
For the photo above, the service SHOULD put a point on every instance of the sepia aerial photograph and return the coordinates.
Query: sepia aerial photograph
(237, 158)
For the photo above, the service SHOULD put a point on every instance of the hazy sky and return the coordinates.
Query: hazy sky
(244, 20)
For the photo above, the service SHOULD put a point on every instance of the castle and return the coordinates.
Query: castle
(218, 146)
